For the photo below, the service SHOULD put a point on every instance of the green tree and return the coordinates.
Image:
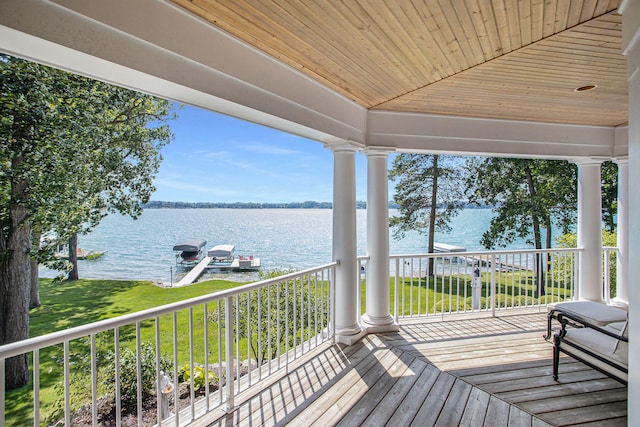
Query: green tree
(72, 150)
(609, 177)
(528, 196)
(428, 192)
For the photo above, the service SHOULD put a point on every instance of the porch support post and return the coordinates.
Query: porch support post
(589, 230)
(630, 10)
(622, 263)
(345, 240)
(378, 316)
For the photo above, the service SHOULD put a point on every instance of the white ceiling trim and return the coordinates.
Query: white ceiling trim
(473, 136)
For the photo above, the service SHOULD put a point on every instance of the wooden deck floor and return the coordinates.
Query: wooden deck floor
(461, 371)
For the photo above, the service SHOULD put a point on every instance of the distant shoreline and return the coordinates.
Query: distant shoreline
(257, 205)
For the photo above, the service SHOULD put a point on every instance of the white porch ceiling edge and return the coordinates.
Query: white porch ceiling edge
(203, 66)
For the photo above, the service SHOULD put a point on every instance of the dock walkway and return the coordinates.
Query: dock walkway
(195, 272)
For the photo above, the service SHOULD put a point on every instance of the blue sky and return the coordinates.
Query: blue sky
(216, 158)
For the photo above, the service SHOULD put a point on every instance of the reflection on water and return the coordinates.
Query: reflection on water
(282, 238)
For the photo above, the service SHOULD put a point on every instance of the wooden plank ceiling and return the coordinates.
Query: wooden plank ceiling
(504, 59)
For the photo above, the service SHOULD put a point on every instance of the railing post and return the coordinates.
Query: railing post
(396, 292)
(493, 285)
(607, 278)
(2, 392)
(228, 335)
(332, 303)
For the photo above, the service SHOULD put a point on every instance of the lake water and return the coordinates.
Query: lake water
(282, 238)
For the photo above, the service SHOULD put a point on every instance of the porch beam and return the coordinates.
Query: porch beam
(378, 316)
(589, 229)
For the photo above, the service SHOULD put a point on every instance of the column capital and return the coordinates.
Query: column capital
(623, 160)
(378, 151)
(584, 161)
(340, 145)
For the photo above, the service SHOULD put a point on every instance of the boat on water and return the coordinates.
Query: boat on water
(63, 253)
(189, 252)
(223, 257)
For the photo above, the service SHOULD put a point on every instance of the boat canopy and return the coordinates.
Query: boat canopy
(190, 245)
(221, 251)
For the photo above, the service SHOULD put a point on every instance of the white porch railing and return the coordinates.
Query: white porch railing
(460, 282)
(273, 321)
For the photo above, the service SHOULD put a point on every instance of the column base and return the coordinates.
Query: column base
(372, 323)
(351, 339)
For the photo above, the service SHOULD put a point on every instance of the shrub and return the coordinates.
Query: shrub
(129, 372)
(200, 378)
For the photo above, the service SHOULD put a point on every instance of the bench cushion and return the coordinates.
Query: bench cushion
(592, 312)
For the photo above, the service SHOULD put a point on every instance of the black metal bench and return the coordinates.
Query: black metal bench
(593, 333)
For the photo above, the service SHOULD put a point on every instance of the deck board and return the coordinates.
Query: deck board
(429, 373)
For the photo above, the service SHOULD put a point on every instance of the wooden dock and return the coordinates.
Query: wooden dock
(195, 272)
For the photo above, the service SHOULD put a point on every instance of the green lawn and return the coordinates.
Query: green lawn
(69, 304)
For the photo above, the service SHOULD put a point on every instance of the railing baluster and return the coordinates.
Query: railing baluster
(192, 394)
(116, 353)
(158, 374)
(94, 382)
(36, 388)
(249, 332)
(2, 390)
(259, 326)
(236, 337)
(220, 341)
(493, 285)
(229, 352)
(396, 292)
(176, 391)
(139, 373)
(67, 386)
(205, 328)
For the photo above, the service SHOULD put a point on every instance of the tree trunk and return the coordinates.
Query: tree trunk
(432, 214)
(16, 284)
(537, 236)
(73, 257)
(34, 300)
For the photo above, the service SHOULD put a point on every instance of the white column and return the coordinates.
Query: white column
(345, 238)
(622, 264)
(590, 230)
(378, 314)
(630, 10)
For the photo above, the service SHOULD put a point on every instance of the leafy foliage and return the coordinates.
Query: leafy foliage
(72, 150)
(527, 195)
(610, 239)
(278, 317)
(609, 177)
(201, 376)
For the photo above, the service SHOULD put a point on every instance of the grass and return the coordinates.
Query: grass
(75, 303)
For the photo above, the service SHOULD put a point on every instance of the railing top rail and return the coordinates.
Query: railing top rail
(484, 253)
(20, 347)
